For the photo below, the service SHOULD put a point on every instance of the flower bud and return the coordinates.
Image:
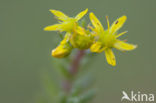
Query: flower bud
(64, 49)
(81, 39)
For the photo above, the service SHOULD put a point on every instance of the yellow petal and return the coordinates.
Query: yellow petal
(110, 57)
(59, 15)
(96, 23)
(97, 47)
(118, 24)
(81, 14)
(52, 27)
(121, 45)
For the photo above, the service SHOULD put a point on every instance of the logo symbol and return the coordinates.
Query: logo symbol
(137, 97)
(125, 96)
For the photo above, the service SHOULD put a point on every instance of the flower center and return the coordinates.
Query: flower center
(69, 24)
(107, 39)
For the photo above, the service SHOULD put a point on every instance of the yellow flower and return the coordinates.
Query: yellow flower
(66, 23)
(81, 38)
(108, 39)
(64, 49)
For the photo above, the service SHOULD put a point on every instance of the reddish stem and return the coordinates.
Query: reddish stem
(76, 62)
(73, 69)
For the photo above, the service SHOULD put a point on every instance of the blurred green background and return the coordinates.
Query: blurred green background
(25, 47)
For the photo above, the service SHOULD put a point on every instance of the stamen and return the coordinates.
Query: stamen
(121, 34)
(108, 23)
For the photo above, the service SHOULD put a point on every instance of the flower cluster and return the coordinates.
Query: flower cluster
(94, 37)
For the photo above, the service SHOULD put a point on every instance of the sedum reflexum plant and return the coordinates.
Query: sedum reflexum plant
(97, 39)
(86, 40)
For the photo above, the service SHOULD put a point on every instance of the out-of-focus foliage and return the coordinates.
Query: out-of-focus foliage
(82, 83)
